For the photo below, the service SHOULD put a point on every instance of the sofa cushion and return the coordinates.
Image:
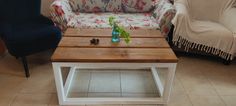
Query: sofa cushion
(138, 5)
(100, 20)
(96, 5)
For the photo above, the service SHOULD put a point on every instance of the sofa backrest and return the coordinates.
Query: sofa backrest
(209, 10)
(112, 5)
(138, 5)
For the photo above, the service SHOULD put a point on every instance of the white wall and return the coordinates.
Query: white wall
(45, 6)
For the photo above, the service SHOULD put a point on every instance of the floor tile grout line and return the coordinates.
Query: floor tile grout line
(14, 98)
(216, 90)
(187, 93)
(17, 93)
(90, 78)
(121, 92)
(50, 99)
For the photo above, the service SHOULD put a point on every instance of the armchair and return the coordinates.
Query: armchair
(24, 30)
(208, 27)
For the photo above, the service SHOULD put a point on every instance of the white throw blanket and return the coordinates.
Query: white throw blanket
(200, 28)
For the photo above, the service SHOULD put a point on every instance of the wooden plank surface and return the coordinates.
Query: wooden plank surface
(140, 33)
(106, 43)
(135, 55)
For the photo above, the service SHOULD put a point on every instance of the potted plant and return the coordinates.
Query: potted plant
(118, 31)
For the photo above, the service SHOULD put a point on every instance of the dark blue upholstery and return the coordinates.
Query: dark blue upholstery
(24, 30)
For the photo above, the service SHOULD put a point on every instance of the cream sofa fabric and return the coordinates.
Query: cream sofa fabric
(208, 26)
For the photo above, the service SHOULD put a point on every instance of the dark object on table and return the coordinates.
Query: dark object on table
(24, 30)
(94, 41)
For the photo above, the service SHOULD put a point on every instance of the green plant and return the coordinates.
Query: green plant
(123, 34)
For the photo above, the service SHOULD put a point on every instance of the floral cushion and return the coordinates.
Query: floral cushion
(138, 5)
(96, 5)
(164, 13)
(137, 20)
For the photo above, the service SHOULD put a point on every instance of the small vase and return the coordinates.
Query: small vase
(115, 36)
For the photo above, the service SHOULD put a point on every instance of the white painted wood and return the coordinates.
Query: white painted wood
(69, 80)
(157, 80)
(91, 101)
(59, 83)
(169, 81)
(63, 100)
(113, 65)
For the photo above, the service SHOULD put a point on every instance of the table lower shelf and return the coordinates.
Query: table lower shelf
(112, 83)
(111, 86)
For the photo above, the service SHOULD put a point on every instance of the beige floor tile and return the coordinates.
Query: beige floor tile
(229, 100)
(178, 88)
(54, 101)
(206, 100)
(11, 84)
(162, 72)
(188, 66)
(10, 66)
(44, 85)
(142, 105)
(103, 105)
(215, 69)
(224, 85)
(139, 95)
(32, 99)
(137, 82)
(179, 100)
(77, 95)
(80, 83)
(9, 87)
(197, 85)
(105, 81)
(41, 80)
(6, 99)
(104, 94)
(28, 105)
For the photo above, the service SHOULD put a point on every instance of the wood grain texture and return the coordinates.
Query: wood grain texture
(140, 33)
(147, 46)
(106, 43)
(135, 55)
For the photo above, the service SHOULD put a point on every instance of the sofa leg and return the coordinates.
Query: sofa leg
(24, 61)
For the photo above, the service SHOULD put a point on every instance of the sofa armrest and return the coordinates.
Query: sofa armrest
(228, 20)
(181, 13)
(61, 13)
(164, 13)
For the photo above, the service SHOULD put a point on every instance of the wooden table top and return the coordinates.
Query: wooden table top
(147, 46)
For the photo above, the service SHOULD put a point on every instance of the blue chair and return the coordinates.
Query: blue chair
(25, 31)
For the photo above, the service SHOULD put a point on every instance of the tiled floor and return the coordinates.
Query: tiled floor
(198, 82)
(113, 83)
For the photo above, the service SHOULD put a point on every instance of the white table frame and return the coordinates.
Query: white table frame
(63, 89)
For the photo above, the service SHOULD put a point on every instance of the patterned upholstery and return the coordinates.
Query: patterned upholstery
(96, 5)
(164, 13)
(138, 5)
(77, 13)
(100, 20)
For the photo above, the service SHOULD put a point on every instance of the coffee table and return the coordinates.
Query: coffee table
(148, 50)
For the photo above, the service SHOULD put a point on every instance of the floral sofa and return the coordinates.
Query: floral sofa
(149, 14)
